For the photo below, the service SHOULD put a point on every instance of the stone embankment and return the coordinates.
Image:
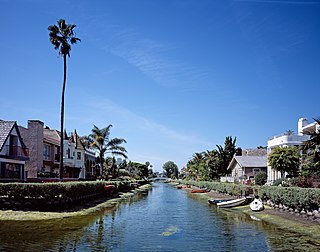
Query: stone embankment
(311, 216)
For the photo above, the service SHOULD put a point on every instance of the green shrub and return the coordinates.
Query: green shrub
(294, 197)
(278, 182)
(260, 178)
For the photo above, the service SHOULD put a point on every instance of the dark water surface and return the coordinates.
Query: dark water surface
(162, 219)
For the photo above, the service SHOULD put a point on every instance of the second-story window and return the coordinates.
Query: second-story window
(46, 152)
(78, 155)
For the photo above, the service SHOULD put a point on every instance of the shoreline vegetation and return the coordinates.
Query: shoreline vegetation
(85, 209)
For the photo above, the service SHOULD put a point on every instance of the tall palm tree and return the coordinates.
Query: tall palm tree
(62, 37)
(100, 140)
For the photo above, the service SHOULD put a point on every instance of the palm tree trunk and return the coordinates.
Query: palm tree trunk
(62, 113)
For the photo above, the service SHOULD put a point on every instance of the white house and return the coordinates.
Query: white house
(290, 139)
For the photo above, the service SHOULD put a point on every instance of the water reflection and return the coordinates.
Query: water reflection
(163, 219)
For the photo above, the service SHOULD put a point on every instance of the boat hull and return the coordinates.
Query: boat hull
(216, 201)
(231, 203)
(199, 191)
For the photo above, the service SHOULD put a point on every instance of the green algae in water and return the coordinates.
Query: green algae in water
(170, 231)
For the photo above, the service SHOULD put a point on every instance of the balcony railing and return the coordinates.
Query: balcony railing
(13, 151)
(290, 138)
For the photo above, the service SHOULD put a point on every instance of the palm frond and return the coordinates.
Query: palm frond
(119, 153)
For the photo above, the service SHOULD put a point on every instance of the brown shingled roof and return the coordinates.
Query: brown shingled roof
(5, 130)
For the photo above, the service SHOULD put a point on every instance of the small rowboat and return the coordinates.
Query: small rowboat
(182, 186)
(216, 201)
(256, 205)
(199, 190)
(231, 203)
(109, 189)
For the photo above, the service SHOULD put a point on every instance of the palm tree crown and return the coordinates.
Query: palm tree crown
(100, 140)
(62, 36)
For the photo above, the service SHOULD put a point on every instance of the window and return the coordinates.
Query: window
(256, 170)
(46, 152)
(68, 153)
(78, 155)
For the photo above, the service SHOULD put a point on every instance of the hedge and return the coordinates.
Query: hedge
(54, 196)
(292, 197)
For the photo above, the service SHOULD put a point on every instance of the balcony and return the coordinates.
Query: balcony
(15, 152)
(287, 139)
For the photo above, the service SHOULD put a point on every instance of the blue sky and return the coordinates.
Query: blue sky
(172, 77)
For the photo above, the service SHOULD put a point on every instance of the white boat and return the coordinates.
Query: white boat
(256, 205)
(231, 203)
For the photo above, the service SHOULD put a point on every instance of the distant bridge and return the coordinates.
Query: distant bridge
(161, 179)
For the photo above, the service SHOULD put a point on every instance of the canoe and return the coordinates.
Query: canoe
(183, 186)
(109, 189)
(199, 190)
(256, 205)
(216, 201)
(231, 203)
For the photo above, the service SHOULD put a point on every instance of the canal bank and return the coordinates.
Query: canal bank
(87, 209)
(285, 220)
(162, 218)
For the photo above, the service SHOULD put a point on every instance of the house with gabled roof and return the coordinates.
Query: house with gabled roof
(13, 152)
(246, 166)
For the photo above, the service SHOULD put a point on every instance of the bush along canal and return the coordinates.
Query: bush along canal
(159, 219)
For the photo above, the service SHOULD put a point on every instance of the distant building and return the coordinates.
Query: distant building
(290, 139)
(44, 152)
(13, 152)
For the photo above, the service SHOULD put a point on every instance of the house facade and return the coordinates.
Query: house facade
(44, 150)
(247, 165)
(290, 139)
(13, 152)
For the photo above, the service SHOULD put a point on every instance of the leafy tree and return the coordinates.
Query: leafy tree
(100, 140)
(138, 170)
(226, 154)
(210, 165)
(170, 169)
(311, 153)
(212, 162)
(286, 159)
(195, 166)
(62, 37)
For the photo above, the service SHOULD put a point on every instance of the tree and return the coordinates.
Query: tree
(62, 37)
(170, 169)
(285, 160)
(311, 153)
(226, 154)
(138, 170)
(100, 140)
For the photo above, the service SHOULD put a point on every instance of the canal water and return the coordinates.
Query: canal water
(161, 219)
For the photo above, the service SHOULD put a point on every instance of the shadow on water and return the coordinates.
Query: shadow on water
(61, 234)
(161, 219)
